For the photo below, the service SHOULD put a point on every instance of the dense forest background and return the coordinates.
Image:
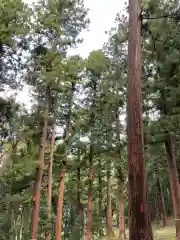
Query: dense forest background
(64, 163)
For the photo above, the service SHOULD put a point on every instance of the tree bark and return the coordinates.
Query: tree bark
(100, 198)
(90, 196)
(121, 180)
(52, 139)
(139, 224)
(62, 171)
(109, 204)
(121, 220)
(175, 189)
(88, 233)
(77, 220)
(163, 206)
(60, 204)
(37, 187)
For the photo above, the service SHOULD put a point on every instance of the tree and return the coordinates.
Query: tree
(165, 67)
(139, 224)
(39, 175)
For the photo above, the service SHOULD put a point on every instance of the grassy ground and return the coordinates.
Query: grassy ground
(167, 233)
(160, 233)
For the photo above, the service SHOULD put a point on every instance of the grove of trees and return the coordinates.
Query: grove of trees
(98, 154)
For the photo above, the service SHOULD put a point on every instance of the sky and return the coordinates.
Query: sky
(102, 14)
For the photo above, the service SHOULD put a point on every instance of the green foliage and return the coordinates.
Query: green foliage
(86, 100)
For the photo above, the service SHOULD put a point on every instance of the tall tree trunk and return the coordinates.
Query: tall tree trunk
(77, 220)
(48, 234)
(109, 204)
(37, 187)
(139, 224)
(176, 153)
(60, 204)
(122, 233)
(163, 206)
(175, 189)
(62, 171)
(88, 234)
(90, 196)
(100, 199)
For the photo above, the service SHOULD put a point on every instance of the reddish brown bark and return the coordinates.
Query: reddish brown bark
(62, 171)
(163, 206)
(139, 224)
(60, 204)
(175, 189)
(48, 235)
(37, 186)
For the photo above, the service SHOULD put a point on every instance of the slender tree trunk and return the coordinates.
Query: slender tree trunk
(90, 196)
(88, 234)
(109, 204)
(77, 222)
(122, 233)
(163, 206)
(175, 189)
(62, 171)
(139, 224)
(176, 152)
(37, 187)
(100, 199)
(48, 234)
(60, 204)
(121, 220)
(78, 207)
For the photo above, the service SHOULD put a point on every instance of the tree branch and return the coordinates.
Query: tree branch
(160, 17)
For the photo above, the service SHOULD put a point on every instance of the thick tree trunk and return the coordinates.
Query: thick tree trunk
(37, 187)
(60, 204)
(163, 206)
(175, 189)
(109, 204)
(139, 224)
(90, 196)
(48, 234)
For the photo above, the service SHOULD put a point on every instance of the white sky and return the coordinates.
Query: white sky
(102, 14)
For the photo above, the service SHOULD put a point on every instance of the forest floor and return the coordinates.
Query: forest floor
(167, 233)
(160, 233)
